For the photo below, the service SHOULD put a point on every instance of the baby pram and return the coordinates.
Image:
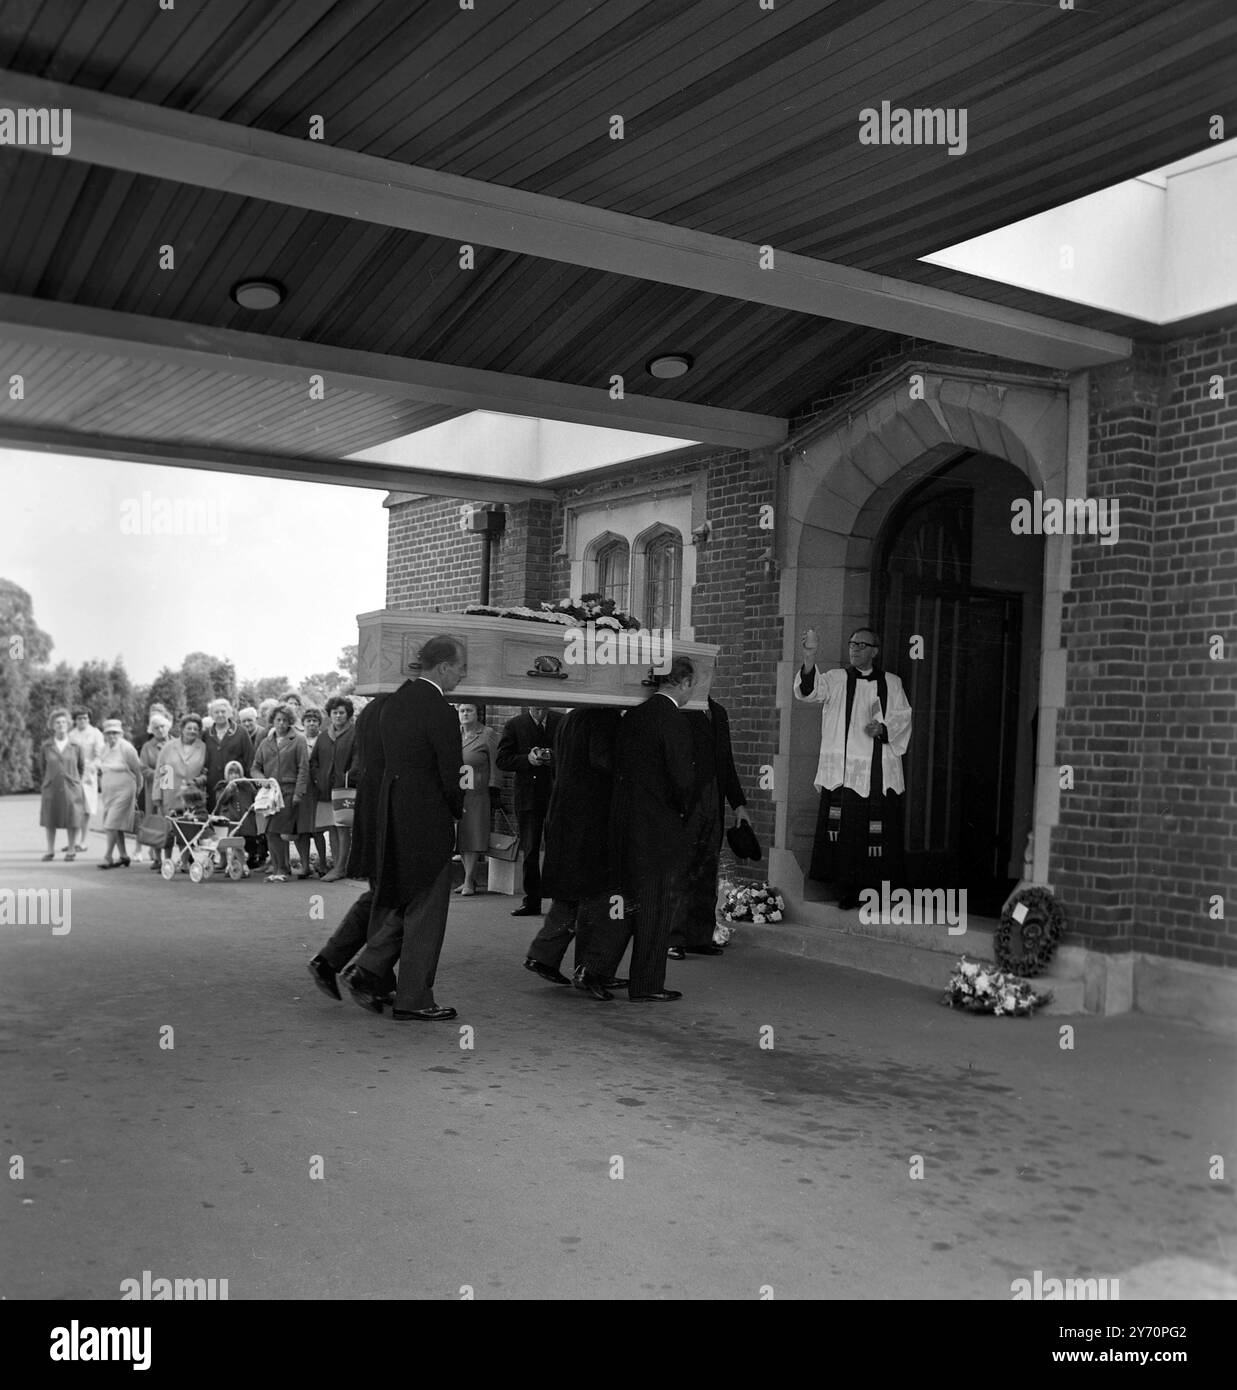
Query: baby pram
(202, 848)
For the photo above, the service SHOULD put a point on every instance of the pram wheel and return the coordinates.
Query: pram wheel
(168, 870)
(236, 871)
(208, 869)
(195, 873)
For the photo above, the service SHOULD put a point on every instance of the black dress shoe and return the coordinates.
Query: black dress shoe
(364, 989)
(662, 996)
(528, 912)
(592, 985)
(677, 953)
(323, 976)
(705, 950)
(547, 972)
(435, 1015)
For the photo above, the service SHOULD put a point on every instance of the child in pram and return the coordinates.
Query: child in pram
(234, 799)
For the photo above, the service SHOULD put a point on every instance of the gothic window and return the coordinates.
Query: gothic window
(663, 570)
(612, 562)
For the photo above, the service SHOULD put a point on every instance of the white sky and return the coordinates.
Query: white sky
(271, 576)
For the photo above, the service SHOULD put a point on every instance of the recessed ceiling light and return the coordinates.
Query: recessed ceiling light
(671, 365)
(257, 294)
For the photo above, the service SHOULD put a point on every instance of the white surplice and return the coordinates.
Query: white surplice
(830, 691)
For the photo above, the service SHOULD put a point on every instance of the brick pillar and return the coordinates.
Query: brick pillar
(524, 565)
(1105, 624)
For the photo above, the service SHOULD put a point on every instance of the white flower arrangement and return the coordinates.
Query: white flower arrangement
(752, 902)
(982, 987)
(569, 612)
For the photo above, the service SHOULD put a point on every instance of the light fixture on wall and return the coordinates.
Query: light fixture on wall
(669, 365)
(701, 533)
(257, 294)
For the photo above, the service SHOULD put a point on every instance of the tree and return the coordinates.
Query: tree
(348, 661)
(209, 677)
(168, 688)
(94, 686)
(123, 706)
(23, 647)
(270, 687)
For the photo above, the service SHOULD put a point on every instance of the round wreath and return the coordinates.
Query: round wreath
(1039, 931)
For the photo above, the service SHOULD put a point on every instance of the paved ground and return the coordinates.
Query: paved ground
(491, 1167)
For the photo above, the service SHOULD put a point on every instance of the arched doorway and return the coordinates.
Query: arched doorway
(956, 601)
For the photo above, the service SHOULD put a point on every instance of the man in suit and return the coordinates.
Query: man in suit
(577, 836)
(527, 749)
(419, 801)
(654, 786)
(717, 783)
(349, 937)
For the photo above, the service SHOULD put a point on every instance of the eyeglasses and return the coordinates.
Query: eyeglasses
(861, 644)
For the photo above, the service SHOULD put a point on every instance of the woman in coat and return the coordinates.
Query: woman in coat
(283, 758)
(331, 763)
(309, 821)
(90, 741)
(472, 837)
(180, 767)
(63, 805)
(160, 727)
(121, 780)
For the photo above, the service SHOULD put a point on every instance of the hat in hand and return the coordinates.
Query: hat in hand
(742, 840)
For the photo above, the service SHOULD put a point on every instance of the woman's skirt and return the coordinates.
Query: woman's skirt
(62, 807)
(473, 836)
(90, 789)
(118, 800)
(284, 822)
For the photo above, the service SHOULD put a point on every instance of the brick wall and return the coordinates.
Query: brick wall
(1188, 811)
(1150, 726)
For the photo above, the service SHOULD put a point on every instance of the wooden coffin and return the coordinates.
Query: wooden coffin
(503, 660)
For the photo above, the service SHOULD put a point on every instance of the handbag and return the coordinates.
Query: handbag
(343, 803)
(324, 815)
(153, 830)
(504, 844)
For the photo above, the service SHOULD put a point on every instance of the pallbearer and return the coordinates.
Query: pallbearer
(865, 727)
(654, 789)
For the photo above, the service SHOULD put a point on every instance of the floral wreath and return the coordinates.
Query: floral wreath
(1040, 921)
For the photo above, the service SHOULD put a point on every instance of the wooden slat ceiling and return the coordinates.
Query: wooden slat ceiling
(739, 121)
(97, 395)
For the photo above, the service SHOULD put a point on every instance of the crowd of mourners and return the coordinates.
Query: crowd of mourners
(226, 764)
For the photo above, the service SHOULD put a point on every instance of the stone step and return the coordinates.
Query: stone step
(916, 955)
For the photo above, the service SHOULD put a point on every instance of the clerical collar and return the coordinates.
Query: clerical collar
(871, 676)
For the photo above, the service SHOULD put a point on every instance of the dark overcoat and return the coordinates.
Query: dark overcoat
(716, 775)
(420, 798)
(533, 785)
(234, 747)
(577, 826)
(331, 761)
(63, 805)
(654, 788)
(367, 778)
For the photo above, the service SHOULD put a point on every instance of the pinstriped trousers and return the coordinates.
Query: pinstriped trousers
(650, 915)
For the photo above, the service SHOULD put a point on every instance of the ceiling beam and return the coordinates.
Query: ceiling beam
(49, 323)
(347, 472)
(161, 143)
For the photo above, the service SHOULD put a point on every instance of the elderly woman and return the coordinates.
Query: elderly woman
(331, 763)
(63, 807)
(472, 836)
(312, 818)
(90, 741)
(283, 758)
(226, 742)
(160, 728)
(121, 775)
(180, 767)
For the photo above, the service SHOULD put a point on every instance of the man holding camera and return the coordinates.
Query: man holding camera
(526, 749)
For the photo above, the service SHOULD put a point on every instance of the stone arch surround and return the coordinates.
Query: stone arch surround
(841, 477)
